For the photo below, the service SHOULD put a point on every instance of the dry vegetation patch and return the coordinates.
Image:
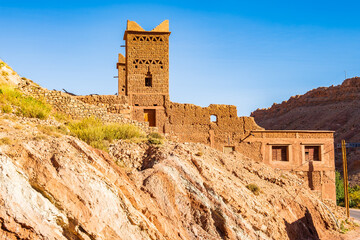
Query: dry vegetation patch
(12, 100)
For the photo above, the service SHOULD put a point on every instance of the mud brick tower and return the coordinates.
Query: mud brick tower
(144, 72)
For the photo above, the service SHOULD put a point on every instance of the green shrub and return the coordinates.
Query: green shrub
(4, 74)
(25, 106)
(155, 138)
(2, 64)
(354, 196)
(253, 188)
(99, 135)
(339, 184)
(61, 117)
(199, 154)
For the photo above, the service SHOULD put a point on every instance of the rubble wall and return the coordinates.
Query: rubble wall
(75, 108)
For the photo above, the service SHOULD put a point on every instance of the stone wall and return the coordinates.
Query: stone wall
(112, 103)
(71, 105)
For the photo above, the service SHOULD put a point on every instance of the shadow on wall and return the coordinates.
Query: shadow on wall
(303, 228)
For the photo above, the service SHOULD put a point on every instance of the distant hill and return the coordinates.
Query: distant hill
(334, 108)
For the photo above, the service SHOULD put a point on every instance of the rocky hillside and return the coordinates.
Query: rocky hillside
(334, 108)
(54, 186)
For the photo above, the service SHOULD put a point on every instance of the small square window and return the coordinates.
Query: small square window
(312, 153)
(280, 153)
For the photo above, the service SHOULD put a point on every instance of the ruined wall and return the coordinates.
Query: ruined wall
(112, 103)
(191, 123)
(77, 109)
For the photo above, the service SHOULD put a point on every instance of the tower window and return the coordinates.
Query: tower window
(148, 78)
(148, 81)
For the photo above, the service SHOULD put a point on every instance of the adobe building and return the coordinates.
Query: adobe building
(143, 80)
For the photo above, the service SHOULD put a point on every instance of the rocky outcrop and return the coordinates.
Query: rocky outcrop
(7, 75)
(57, 187)
(334, 108)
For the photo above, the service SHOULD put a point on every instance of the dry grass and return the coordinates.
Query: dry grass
(99, 135)
(12, 100)
(253, 188)
(5, 141)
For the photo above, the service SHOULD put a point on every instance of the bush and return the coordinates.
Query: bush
(6, 108)
(155, 138)
(99, 135)
(24, 105)
(253, 188)
(199, 154)
(339, 184)
(354, 193)
(5, 141)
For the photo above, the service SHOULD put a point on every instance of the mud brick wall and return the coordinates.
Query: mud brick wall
(121, 66)
(318, 175)
(149, 100)
(147, 52)
(113, 103)
(193, 123)
(77, 109)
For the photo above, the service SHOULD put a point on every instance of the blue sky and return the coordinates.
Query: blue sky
(244, 53)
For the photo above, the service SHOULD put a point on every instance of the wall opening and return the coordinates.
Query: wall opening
(148, 78)
(312, 153)
(150, 117)
(228, 149)
(213, 118)
(280, 153)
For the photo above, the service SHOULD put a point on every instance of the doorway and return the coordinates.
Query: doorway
(150, 117)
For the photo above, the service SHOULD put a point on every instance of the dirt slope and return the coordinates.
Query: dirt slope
(57, 187)
(334, 108)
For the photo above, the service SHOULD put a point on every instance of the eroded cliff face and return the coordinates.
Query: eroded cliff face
(334, 108)
(57, 187)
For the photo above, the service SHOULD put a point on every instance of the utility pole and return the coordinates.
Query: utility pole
(346, 192)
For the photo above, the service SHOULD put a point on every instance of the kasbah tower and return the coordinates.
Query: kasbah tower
(143, 76)
(144, 73)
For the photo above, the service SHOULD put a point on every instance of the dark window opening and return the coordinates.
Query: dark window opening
(135, 66)
(280, 153)
(136, 104)
(161, 67)
(155, 104)
(148, 78)
(148, 81)
(312, 153)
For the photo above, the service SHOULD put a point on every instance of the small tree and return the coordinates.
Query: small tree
(339, 183)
